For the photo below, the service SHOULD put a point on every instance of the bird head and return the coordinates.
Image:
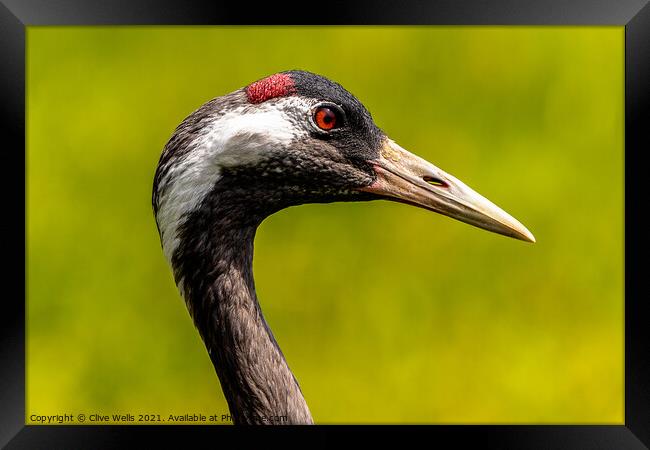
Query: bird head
(292, 138)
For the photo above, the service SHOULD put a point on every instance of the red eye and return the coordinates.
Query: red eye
(325, 118)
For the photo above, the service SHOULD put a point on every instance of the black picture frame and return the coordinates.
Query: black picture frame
(16, 15)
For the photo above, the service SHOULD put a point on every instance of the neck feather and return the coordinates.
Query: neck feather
(214, 269)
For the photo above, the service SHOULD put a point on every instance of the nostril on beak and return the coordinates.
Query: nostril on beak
(435, 181)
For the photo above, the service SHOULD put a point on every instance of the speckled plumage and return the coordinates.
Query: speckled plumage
(210, 194)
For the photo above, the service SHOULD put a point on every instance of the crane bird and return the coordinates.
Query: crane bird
(288, 139)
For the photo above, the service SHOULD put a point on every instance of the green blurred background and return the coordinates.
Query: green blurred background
(386, 313)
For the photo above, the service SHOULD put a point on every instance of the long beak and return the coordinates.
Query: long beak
(407, 178)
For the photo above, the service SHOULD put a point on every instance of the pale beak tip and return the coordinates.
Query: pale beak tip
(528, 236)
(518, 230)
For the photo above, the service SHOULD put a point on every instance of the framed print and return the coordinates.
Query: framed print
(152, 146)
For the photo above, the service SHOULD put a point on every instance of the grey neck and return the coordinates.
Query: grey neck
(216, 270)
